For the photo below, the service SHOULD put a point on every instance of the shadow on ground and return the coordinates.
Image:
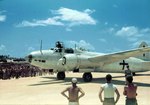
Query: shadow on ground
(53, 80)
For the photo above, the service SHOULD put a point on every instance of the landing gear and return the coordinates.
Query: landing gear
(61, 75)
(87, 77)
(133, 73)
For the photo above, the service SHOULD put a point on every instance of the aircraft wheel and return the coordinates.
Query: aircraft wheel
(87, 77)
(61, 75)
(133, 74)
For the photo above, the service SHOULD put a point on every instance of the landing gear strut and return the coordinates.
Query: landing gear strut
(133, 73)
(87, 77)
(61, 75)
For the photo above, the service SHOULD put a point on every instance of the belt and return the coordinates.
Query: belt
(109, 98)
(131, 98)
(73, 101)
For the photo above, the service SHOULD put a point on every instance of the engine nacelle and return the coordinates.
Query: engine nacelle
(68, 62)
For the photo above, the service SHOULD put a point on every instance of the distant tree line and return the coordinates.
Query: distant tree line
(5, 58)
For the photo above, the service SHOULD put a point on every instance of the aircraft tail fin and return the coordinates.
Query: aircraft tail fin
(143, 44)
(144, 56)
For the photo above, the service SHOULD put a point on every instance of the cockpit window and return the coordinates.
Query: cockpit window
(69, 50)
(59, 47)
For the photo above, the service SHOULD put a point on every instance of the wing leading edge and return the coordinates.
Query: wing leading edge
(114, 57)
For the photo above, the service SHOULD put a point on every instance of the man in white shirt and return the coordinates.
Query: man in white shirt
(109, 90)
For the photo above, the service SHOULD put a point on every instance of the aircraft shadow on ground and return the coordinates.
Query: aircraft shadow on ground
(142, 74)
(67, 81)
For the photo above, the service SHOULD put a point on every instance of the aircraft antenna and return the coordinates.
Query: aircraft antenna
(75, 47)
(41, 47)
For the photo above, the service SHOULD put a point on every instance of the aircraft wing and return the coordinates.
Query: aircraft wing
(114, 57)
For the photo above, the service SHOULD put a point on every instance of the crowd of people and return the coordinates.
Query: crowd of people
(19, 70)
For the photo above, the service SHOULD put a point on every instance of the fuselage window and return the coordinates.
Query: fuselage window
(43, 61)
(69, 50)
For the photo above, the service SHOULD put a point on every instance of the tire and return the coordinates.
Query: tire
(134, 74)
(61, 75)
(87, 77)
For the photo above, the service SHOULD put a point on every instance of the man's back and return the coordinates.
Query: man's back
(73, 93)
(109, 90)
(130, 91)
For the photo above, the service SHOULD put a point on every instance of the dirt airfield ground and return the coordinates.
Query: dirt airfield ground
(46, 89)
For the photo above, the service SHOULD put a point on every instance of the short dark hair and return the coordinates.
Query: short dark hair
(108, 77)
(129, 78)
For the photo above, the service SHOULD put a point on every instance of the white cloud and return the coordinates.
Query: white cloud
(89, 11)
(2, 17)
(75, 17)
(49, 21)
(133, 33)
(145, 30)
(2, 47)
(111, 30)
(103, 40)
(127, 31)
(3, 50)
(81, 44)
(68, 29)
(31, 49)
(64, 17)
(106, 23)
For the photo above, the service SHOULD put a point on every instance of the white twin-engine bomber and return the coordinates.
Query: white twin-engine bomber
(61, 59)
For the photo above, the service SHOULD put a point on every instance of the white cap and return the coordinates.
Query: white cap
(74, 80)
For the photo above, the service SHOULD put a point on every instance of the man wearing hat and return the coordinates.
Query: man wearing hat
(73, 93)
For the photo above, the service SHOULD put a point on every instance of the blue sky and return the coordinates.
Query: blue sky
(98, 25)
